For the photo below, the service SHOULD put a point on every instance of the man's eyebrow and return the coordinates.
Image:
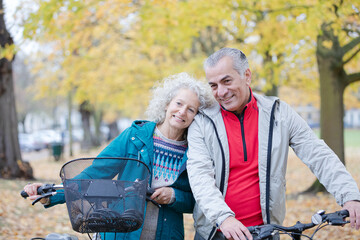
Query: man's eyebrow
(225, 77)
(222, 79)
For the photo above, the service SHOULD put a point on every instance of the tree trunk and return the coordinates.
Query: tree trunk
(85, 112)
(272, 88)
(11, 164)
(332, 77)
(70, 124)
(332, 85)
(98, 138)
(332, 108)
(113, 131)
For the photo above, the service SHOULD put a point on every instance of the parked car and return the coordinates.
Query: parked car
(28, 143)
(47, 137)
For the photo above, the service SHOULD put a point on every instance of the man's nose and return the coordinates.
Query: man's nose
(221, 91)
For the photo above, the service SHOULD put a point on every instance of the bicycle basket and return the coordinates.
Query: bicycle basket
(105, 194)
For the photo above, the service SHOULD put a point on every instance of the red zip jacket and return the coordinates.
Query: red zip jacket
(243, 191)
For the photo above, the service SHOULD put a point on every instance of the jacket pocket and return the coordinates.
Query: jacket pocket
(277, 199)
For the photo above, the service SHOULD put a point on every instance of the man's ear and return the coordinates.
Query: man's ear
(247, 75)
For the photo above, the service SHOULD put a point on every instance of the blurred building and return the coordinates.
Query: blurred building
(352, 118)
(311, 115)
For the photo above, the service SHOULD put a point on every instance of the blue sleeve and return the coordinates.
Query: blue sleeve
(100, 168)
(184, 199)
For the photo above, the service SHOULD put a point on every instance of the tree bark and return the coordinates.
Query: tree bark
(332, 85)
(113, 131)
(70, 130)
(11, 164)
(85, 112)
(332, 107)
(98, 138)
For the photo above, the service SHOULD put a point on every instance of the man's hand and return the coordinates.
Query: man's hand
(234, 229)
(354, 211)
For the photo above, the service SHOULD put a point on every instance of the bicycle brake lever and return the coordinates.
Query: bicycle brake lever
(154, 202)
(41, 197)
(337, 218)
(261, 232)
(149, 192)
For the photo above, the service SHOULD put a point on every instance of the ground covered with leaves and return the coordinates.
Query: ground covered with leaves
(20, 220)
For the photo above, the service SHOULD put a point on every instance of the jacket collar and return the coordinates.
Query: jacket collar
(144, 133)
(263, 102)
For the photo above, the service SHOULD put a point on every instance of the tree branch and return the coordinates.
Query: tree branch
(351, 57)
(349, 30)
(346, 48)
(351, 78)
(275, 10)
(238, 39)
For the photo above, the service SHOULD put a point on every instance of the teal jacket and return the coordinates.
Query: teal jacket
(137, 142)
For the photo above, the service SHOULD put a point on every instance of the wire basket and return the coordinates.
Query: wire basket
(112, 203)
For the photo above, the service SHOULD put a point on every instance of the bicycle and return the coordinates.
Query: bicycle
(319, 219)
(100, 205)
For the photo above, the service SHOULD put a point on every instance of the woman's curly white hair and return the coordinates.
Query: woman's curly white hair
(166, 90)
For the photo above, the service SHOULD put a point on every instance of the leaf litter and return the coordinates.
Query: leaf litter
(20, 220)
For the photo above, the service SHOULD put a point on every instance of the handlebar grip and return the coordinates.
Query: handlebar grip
(149, 191)
(40, 190)
(24, 194)
(344, 213)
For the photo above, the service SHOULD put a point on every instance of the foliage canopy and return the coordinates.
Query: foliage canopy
(110, 52)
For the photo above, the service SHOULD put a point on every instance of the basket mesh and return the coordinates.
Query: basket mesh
(109, 204)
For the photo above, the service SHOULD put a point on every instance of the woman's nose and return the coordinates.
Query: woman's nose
(182, 111)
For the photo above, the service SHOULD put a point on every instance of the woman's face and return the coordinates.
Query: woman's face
(182, 109)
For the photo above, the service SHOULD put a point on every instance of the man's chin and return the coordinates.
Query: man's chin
(228, 107)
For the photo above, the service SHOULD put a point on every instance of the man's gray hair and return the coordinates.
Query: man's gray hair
(166, 90)
(240, 62)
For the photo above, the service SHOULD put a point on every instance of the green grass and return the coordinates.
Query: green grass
(351, 137)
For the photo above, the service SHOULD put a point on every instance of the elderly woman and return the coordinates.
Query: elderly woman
(173, 107)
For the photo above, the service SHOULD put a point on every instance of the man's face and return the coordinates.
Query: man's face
(229, 88)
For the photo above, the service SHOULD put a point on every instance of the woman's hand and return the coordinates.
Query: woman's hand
(162, 195)
(31, 190)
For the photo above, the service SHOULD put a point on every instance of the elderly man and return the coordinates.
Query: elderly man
(238, 152)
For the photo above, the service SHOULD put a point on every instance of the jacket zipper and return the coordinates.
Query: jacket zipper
(241, 118)
(268, 163)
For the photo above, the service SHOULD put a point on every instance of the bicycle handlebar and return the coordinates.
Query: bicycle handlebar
(46, 190)
(268, 230)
